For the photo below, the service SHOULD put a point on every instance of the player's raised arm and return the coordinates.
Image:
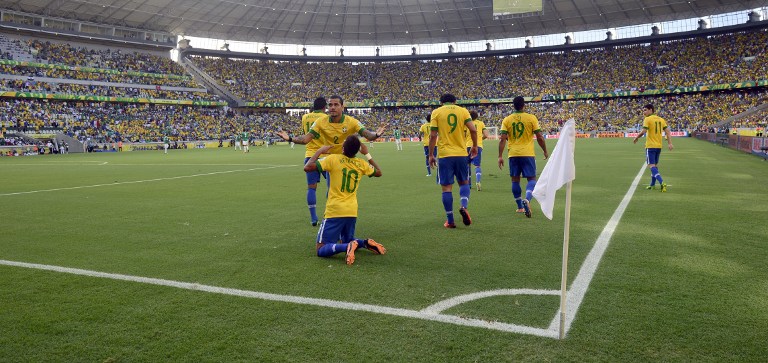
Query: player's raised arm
(301, 140)
(311, 164)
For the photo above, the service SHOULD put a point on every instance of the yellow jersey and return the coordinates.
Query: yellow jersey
(480, 126)
(450, 122)
(306, 125)
(654, 125)
(520, 128)
(345, 175)
(425, 131)
(334, 133)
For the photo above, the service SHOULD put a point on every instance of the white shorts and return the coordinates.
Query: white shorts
(245, 143)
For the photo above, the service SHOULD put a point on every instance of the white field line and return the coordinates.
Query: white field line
(146, 181)
(432, 312)
(589, 266)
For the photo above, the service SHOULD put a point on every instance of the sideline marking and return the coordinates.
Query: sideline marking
(147, 180)
(433, 312)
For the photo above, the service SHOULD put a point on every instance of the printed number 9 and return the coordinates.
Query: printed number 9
(452, 121)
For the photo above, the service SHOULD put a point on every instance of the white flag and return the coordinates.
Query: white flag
(560, 169)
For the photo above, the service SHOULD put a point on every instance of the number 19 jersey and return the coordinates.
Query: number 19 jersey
(519, 128)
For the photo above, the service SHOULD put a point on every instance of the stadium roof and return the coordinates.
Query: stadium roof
(369, 22)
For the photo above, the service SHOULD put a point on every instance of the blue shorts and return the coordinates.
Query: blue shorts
(334, 229)
(522, 165)
(426, 151)
(476, 161)
(652, 156)
(450, 167)
(313, 177)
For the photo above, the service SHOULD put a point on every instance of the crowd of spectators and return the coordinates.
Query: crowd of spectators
(109, 122)
(683, 63)
(686, 63)
(62, 53)
(32, 85)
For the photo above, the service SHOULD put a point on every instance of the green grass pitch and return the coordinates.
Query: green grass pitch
(684, 278)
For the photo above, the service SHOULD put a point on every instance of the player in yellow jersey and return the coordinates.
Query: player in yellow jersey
(519, 128)
(653, 126)
(425, 132)
(482, 134)
(447, 124)
(345, 173)
(334, 128)
(318, 111)
(331, 129)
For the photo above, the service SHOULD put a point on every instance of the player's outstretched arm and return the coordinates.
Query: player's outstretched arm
(301, 140)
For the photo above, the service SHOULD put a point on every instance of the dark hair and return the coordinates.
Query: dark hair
(519, 102)
(473, 114)
(447, 98)
(320, 103)
(650, 107)
(351, 146)
(341, 100)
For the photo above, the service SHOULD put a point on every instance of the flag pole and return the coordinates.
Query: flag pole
(566, 238)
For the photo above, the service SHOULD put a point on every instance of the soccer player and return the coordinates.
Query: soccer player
(482, 134)
(318, 111)
(246, 141)
(238, 144)
(425, 132)
(345, 172)
(519, 128)
(653, 125)
(334, 128)
(398, 142)
(447, 124)
(166, 144)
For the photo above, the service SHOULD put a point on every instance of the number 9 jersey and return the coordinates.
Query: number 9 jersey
(449, 120)
(519, 128)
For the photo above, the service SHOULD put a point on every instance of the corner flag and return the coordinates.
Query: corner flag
(559, 170)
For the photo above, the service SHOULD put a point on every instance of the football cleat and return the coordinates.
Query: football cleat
(351, 247)
(465, 218)
(449, 225)
(527, 208)
(520, 210)
(375, 247)
(663, 188)
(314, 223)
(650, 187)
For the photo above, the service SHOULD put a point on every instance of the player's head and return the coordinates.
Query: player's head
(335, 106)
(447, 98)
(648, 110)
(519, 103)
(320, 104)
(351, 146)
(473, 114)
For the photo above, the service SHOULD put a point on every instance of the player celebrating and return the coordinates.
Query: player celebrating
(345, 172)
(519, 128)
(448, 123)
(318, 111)
(482, 134)
(334, 128)
(653, 125)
